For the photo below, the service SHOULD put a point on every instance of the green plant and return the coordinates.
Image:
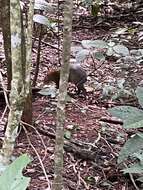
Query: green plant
(93, 5)
(99, 49)
(12, 178)
(133, 148)
(44, 7)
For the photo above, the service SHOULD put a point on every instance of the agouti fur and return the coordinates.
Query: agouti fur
(77, 76)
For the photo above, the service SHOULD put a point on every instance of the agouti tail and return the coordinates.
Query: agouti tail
(77, 76)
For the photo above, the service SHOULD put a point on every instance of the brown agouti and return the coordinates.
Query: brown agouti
(77, 76)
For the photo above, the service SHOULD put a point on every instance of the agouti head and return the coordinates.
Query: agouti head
(53, 76)
(77, 76)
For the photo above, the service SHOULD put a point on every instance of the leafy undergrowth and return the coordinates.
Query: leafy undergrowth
(91, 145)
(95, 170)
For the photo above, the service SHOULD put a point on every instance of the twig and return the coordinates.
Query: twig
(42, 165)
(40, 115)
(82, 180)
(111, 120)
(95, 68)
(58, 33)
(26, 124)
(78, 181)
(132, 179)
(38, 57)
(3, 114)
(111, 149)
(50, 45)
(98, 138)
(4, 90)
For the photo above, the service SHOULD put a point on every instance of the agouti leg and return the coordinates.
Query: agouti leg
(81, 89)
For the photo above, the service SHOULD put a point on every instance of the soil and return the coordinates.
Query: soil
(91, 145)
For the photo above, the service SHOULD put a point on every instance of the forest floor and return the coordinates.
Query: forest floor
(93, 138)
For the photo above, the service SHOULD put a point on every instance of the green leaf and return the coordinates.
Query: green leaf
(120, 83)
(44, 6)
(139, 156)
(42, 20)
(131, 116)
(135, 125)
(120, 31)
(107, 90)
(90, 179)
(110, 51)
(51, 91)
(67, 134)
(111, 44)
(140, 179)
(87, 2)
(121, 50)
(133, 145)
(99, 56)
(135, 168)
(139, 94)
(12, 178)
(140, 135)
(94, 44)
(81, 55)
(95, 9)
(75, 49)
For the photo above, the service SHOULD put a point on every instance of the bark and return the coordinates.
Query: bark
(27, 113)
(38, 57)
(20, 87)
(5, 22)
(67, 35)
(17, 90)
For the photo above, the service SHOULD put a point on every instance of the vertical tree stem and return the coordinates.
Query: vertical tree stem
(67, 36)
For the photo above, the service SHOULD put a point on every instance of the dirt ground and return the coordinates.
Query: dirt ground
(91, 144)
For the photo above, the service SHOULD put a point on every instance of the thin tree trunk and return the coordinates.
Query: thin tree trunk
(38, 57)
(67, 35)
(17, 87)
(20, 88)
(27, 113)
(5, 21)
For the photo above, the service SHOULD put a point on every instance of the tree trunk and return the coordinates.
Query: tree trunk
(67, 35)
(17, 87)
(27, 59)
(5, 21)
(20, 85)
(27, 113)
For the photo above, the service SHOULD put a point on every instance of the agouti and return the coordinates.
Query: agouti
(77, 76)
